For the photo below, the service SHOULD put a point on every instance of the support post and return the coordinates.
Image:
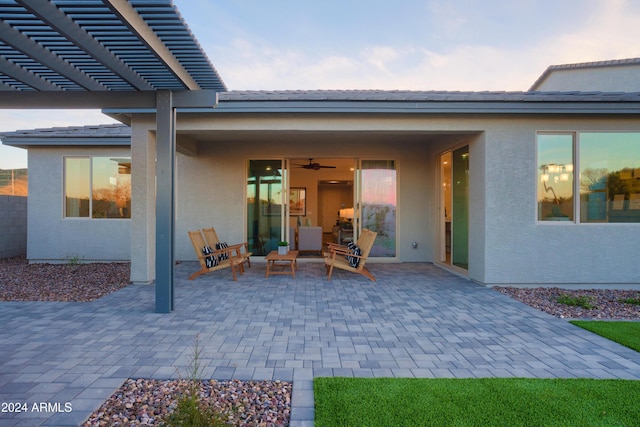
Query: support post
(165, 200)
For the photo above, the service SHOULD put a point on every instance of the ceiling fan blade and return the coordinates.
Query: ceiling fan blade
(313, 166)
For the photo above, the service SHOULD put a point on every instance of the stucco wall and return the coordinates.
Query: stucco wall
(53, 238)
(506, 243)
(520, 250)
(143, 190)
(603, 79)
(13, 226)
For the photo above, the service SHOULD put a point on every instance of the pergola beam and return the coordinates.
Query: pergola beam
(120, 101)
(80, 100)
(138, 25)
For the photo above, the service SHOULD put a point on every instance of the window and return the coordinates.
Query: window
(610, 177)
(555, 177)
(608, 183)
(97, 187)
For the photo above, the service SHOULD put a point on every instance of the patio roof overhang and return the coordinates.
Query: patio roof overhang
(118, 54)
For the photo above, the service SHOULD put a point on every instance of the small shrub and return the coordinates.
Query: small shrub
(74, 260)
(190, 411)
(635, 301)
(576, 301)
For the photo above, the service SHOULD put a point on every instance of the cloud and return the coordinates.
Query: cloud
(373, 67)
(609, 31)
(12, 120)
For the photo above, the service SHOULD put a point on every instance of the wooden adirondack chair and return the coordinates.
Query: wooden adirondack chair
(241, 250)
(336, 256)
(230, 261)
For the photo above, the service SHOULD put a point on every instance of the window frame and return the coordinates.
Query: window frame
(90, 216)
(577, 211)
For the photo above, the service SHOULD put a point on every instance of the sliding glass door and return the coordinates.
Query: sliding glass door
(266, 207)
(454, 226)
(460, 208)
(378, 204)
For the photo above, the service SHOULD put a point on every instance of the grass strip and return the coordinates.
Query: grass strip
(475, 402)
(625, 333)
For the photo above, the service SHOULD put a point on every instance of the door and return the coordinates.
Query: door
(266, 206)
(377, 204)
(454, 225)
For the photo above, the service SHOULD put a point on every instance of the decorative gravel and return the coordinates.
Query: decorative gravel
(240, 403)
(607, 303)
(21, 281)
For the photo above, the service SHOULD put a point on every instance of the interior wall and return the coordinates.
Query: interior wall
(309, 179)
(332, 198)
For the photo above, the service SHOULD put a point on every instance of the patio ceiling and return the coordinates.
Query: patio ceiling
(104, 47)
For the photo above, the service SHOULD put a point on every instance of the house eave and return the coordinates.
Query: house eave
(357, 107)
(455, 107)
(27, 143)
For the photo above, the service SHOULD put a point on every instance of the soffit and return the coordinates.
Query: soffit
(100, 46)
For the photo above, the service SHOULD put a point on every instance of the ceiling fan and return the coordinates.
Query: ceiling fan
(314, 166)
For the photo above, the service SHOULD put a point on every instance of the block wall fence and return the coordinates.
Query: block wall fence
(13, 226)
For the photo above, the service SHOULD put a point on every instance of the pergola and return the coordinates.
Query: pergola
(115, 54)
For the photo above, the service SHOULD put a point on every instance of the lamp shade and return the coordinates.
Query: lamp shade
(347, 213)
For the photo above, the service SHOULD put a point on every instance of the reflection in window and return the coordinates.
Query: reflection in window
(555, 177)
(379, 204)
(100, 185)
(76, 187)
(610, 177)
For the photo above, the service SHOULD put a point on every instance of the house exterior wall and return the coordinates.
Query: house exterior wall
(520, 250)
(596, 79)
(53, 238)
(506, 243)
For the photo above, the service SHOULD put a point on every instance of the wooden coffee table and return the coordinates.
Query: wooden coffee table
(274, 259)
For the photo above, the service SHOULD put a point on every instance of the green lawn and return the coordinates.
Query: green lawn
(625, 333)
(379, 402)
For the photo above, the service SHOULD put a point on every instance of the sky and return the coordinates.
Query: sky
(457, 45)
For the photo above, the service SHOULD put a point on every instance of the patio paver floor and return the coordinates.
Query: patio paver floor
(416, 321)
